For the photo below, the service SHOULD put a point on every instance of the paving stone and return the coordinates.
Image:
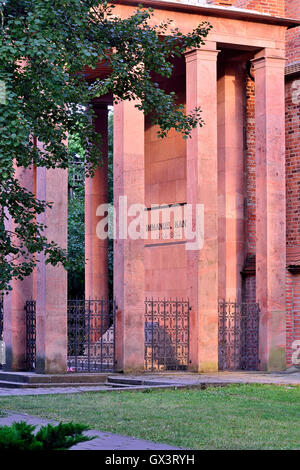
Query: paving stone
(103, 441)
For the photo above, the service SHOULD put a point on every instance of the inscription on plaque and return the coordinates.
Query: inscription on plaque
(165, 224)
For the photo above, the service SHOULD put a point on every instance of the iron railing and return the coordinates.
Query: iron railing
(91, 335)
(30, 309)
(238, 336)
(167, 330)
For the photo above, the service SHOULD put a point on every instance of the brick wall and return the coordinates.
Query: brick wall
(293, 45)
(273, 7)
(292, 10)
(250, 166)
(249, 289)
(292, 94)
(249, 294)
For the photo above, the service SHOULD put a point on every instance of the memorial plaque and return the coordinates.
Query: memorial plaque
(165, 224)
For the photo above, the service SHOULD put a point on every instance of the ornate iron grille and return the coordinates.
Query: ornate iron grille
(167, 325)
(30, 308)
(238, 336)
(91, 335)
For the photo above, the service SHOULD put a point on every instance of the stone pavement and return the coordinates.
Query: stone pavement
(103, 441)
(288, 377)
(173, 379)
(9, 392)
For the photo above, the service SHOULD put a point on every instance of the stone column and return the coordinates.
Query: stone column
(129, 253)
(96, 193)
(202, 188)
(14, 303)
(231, 180)
(51, 301)
(270, 206)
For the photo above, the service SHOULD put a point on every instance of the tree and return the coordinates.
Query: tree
(76, 215)
(45, 46)
(76, 220)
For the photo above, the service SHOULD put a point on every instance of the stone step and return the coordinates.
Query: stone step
(117, 385)
(57, 379)
(106, 382)
(131, 381)
(6, 384)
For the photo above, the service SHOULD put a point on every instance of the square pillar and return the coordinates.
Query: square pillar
(270, 207)
(231, 179)
(96, 193)
(202, 188)
(51, 299)
(14, 320)
(129, 181)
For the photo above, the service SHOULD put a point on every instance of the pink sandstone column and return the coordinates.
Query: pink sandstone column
(270, 206)
(14, 303)
(129, 254)
(202, 188)
(231, 180)
(51, 301)
(96, 193)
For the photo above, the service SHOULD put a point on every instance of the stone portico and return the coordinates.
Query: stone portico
(208, 169)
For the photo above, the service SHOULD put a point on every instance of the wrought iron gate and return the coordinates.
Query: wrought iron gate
(30, 308)
(238, 336)
(91, 335)
(167, 325)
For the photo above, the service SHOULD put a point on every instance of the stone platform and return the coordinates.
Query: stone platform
(77, 383)
(33, 380)
(193, 380)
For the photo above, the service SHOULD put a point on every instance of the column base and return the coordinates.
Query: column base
(275, 362)
(14, 363)
(204, 367)
(50, 366)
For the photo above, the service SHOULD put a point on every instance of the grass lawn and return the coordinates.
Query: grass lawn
(233, 417)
